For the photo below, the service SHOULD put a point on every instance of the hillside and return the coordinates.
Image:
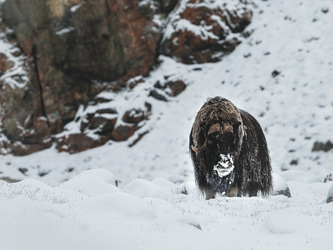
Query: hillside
(281, 73)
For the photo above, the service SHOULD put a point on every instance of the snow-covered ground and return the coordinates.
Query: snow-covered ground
(90, 212)
(282, 74)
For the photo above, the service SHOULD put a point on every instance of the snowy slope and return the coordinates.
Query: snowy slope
(282, 74)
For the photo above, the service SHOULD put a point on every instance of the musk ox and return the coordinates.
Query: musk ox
(229, 151)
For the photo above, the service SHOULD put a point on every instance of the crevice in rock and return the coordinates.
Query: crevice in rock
(107, 8)
(35, 67)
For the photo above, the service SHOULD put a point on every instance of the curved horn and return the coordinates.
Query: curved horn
(197, 150)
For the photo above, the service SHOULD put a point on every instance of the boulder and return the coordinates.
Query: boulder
(328, 178)
(134, 116)
(75, 143)
(132, 120)
(158, 95)
(103, 124)
(321, 146)
(5, 64)
(101, 120)
(123, 132)
(165, 6)
(200, 32)
(21, 149)
(171, 87)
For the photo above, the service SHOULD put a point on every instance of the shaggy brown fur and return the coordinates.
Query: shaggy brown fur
(229, 151)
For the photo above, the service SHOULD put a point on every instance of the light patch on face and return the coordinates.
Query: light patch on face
(225, 166)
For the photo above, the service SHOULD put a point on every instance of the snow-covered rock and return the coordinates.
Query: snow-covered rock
(330, 195)
(328, 177)
(280, 186)
(205, 31)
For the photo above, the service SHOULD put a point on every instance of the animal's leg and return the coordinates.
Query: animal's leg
(209, 194)
(253, 190)
(233, 192)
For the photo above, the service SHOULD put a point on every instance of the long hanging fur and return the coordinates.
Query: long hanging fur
(220, 129)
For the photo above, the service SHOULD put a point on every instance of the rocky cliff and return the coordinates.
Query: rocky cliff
(64, 61)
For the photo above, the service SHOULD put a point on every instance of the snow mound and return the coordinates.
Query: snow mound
(280, 186)
(91, 212)
(301, 176)
(158, 188)
(279, 223)
(92, 182)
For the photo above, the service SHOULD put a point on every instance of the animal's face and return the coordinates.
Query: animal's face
(221, 137)
(219, 145)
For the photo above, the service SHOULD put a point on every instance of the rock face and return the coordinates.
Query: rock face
(204, 31)
(21, 113)
(60, 55)
(68, 46)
